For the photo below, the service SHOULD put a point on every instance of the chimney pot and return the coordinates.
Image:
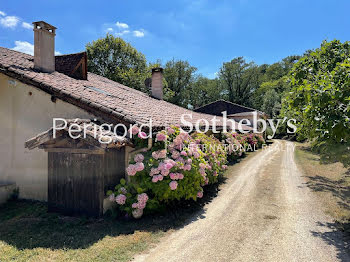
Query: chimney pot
(157, 83)
(44, 46)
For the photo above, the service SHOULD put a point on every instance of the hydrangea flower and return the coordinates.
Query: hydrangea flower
(111, 197)
(202, 171)
(160, 137)
(170, 131)
(173, 176)
(139, 158)
(173, 185)
(165, 172)
(157, 178)
(137, 213)
(154, 171)
(200, 194)
(175, 155)
(187, 167)
(142, 135)
(120, 199)
(139, 166)
(123, 190)
(131, 170)
(142, 197)
(160, 154)
(134, 130)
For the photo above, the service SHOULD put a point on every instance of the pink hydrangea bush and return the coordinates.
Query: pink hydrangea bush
(254, 141)
(129, 198)
(214, 155)
(238, 144)
(235, 146)
(176, 168)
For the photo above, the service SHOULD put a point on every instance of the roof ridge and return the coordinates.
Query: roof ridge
(12, 50)
(229, 102)
(128, 105)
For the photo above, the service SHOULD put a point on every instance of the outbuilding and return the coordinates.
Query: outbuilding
(81, 170)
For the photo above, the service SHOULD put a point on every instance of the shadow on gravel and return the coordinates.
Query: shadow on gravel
(334, 237)
(338, 188)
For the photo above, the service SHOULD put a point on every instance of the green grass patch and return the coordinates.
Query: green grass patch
(29, 233)
(329, 181)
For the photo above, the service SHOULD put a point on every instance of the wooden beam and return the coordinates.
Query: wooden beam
(40, 139)
(76, 151)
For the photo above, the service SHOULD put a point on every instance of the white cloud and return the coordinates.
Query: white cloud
(24, 47)
(125, 32)
(9, 21)
(138, 33)
(26, 25)
(109, 29)
(2, 13)
(122, 25)
(28, 48)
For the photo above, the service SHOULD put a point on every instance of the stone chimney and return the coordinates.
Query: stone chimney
(157, 83)
(44, 46)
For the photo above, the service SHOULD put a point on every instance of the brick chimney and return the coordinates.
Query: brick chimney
(157, 83)
(44, 46)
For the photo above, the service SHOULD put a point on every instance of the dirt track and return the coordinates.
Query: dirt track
(264, 213)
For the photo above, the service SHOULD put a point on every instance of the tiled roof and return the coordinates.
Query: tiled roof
(215, 108)
(73, 65)
(111, 101)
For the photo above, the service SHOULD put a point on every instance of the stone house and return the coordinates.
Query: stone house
(36, 89)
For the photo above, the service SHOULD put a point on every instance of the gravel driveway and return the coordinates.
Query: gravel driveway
(263, 213)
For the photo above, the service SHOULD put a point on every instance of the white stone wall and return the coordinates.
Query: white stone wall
(25, 112)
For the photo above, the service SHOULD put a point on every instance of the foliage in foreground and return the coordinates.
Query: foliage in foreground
(319, 99)
(176, 168)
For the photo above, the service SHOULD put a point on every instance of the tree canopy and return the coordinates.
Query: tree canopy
(117, 60)
(179, 76)
(240, 79)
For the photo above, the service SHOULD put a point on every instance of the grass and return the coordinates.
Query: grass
(29, 233)
(330, 182)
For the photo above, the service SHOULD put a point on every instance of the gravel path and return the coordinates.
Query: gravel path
(266, 213)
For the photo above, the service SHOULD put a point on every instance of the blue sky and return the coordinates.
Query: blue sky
(204, 32)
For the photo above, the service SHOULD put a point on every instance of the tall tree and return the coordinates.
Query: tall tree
(271, 103)
(179, 75)
(204, 91)
(239, 79)
(117, 60)
(273, 80)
